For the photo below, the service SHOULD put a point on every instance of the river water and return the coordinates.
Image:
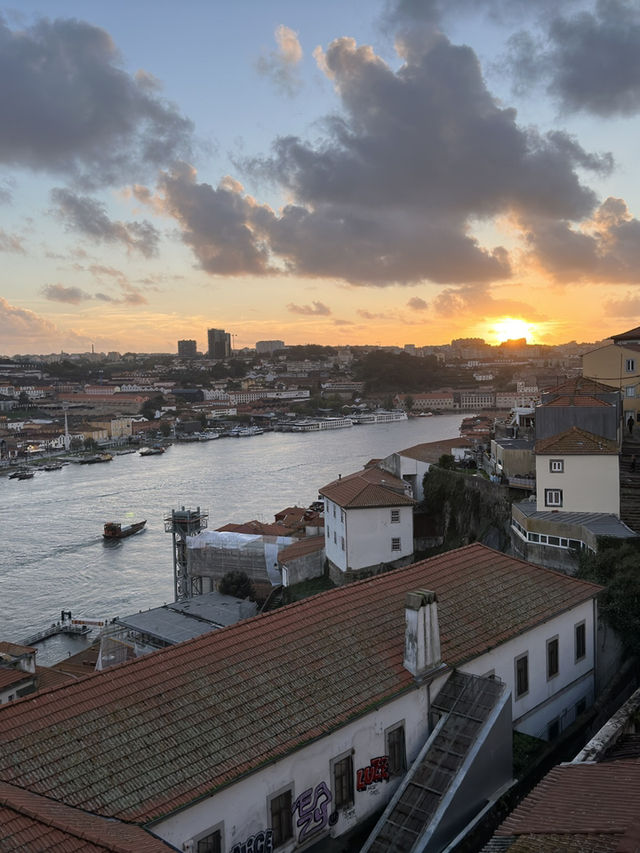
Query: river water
(53, 556)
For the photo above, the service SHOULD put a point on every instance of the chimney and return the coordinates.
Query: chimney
(422, 634)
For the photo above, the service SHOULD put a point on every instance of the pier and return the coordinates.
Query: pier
(67, 625)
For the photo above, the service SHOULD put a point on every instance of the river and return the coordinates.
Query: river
(53, 556)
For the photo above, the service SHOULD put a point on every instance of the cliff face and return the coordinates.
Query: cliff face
(467, 509)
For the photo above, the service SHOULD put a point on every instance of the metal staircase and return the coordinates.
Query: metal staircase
(464, 704)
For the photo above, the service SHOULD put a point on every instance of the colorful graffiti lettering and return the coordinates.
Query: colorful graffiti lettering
(261, 842)
(377, 771)
(313, 811)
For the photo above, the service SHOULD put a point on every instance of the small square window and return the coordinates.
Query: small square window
(395, 516)
(553, 497)
(343, 782)
(395, 544)
(553, 540)
(211, 843)
(534, 537)
(396, 750)
(553, 660)
(630, 391)
(580, 640)
(281, 819)
(556, 466)
(522, 675)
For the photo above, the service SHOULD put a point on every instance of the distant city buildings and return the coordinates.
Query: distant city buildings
(268, 347)
(187, 349)
(219, 343)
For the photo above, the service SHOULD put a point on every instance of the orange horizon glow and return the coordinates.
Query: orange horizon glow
(510, 329)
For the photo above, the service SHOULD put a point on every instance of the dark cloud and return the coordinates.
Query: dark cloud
(389, 194)
(68, 107)
(605, 249)
(417, 304)
(590, 61)
(316, 309)
(60, 293)
(88, 216)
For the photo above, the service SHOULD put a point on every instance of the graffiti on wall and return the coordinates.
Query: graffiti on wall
(261, 842)
(312, 807)
(377, 771)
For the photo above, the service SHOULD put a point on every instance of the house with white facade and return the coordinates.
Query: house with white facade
(577, 500)
(299, 724)
(412, 463)
(368, 523)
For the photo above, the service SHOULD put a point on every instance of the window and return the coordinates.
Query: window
(211, 843)
(343, 782)
(553, 662)
(553, 540)
(335, 538)
(342, 542)
(630, 365)
(522, 675)
(281, 822)
(395, 516)
(556, 466)
(553, 497)
(630, 391)
(395, 544)
(334, 510)
(396, 750)
(342, 516)
(581, 640)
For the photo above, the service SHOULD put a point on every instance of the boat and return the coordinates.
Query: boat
(243, 432)
(318, 424)
(56, 466)
(156, 450)
(379, 417)
(25, 475)
(115, 530)
(15, 475)
(93, 460)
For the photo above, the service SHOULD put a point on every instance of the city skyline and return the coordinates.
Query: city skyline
(362, 173)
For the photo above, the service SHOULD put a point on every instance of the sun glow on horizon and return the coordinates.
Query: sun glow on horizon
(512, 328)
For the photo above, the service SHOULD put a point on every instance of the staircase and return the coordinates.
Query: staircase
(630, 480)
(465, 703)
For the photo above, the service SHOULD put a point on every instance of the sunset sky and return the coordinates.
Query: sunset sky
(317, 171)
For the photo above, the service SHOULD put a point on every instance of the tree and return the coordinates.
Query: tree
(408, 403)
(447, 462)
(90, 444)
(237, 584)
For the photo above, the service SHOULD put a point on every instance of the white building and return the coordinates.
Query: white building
(299, 724)
(368, 522)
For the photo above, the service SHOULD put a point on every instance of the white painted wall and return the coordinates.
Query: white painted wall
(367, 535)
(243, 808)
(588, 483)
(547, 699)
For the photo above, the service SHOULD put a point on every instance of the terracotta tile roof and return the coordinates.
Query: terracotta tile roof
(148, 737)
(581, 385)
(258, 528)
(10, 675)
(301, 548)
(48, 677)
(580, 799)
(577, 400)
(371, 487)
(15, 650)
(432, 451)
(33, 824)
(576, 441)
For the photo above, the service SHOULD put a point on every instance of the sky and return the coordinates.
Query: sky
(338, 172)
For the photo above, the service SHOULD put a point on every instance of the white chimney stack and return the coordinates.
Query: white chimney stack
(422, 634)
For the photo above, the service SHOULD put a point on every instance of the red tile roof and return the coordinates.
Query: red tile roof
(309, 545)
(371, 487)
(15, 650)
(432, 451)
(581, 385)
(11, 675)
(577, 400)
(148, 737)
(576, 441)
(257, 528)
(582, 799)
(33, 824)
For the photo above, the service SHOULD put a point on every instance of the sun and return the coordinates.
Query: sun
(512, 329)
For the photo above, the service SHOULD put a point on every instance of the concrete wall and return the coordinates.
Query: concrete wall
(303, 568)
(588, 483)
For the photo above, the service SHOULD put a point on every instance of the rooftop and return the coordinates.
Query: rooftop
(371, 487)
(180, 723)
(599, 523)
(576, 441)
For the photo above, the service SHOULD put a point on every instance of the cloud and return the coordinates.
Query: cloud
(10, 243)
(627, 307)
(60, 293)
(20, 326)
(280, 65)
(368, 315)
(590, 61)
(88, 216)
(417, 304)
(391, 191)
(317, 309)
(604, 248)
(68, 107)
(476, 303)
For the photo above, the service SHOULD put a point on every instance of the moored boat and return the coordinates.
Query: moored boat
(156, 450)
(93, 460)
(115, 530)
